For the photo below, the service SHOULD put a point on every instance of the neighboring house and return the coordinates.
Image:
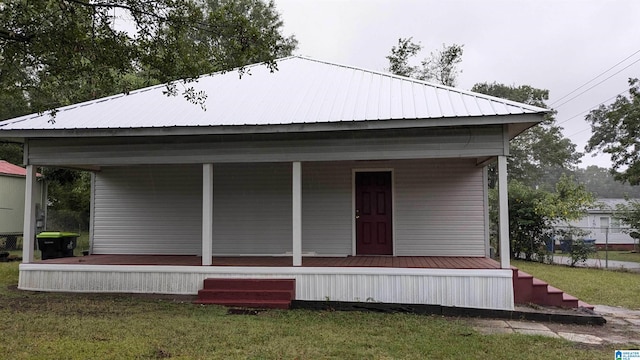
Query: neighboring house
(604, 227)
(358, 184)
(12, 187)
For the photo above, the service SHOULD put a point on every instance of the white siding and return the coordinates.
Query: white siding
(148, 210)
(252, 208)
(477, 288)
(326, 208)
(439, 208)
(412, 143)
(12, 203)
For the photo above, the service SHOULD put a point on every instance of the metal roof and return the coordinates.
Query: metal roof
(7, 168)
(302, 91)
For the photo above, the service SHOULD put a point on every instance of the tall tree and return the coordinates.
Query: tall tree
(440, 66)
(601, 182)
(541, 154)
(58, 52)
(616, 131)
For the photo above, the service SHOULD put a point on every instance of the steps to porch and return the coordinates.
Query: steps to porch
(529, 290)
(250, 293)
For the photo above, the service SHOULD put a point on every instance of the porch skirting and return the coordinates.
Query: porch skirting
(475, 288)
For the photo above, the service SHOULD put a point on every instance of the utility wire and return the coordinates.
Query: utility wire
(592, 107)
(602, 73)
(607, 78)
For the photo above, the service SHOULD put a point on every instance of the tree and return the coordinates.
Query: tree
(400, 55)
(439, 67)
(533, 214)
(59, 52)
(541, 154)
(616, 131)
(600, 181)
(629, 214)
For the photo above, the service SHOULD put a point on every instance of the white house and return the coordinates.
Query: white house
(355, 183)
(602, 226)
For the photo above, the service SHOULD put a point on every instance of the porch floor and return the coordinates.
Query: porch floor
(428, 262)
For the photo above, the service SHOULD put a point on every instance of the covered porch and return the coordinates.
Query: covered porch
(407, 262)
(474, 282)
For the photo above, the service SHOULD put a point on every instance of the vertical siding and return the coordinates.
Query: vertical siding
(148, 210)
(252, 208)
(12, 203)
(490, 289)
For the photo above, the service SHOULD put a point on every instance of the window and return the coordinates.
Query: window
(604, 225)
(615, 226)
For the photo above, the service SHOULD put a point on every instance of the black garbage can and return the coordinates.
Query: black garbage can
(55, 245)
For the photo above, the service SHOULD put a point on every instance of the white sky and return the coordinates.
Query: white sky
(551, 44)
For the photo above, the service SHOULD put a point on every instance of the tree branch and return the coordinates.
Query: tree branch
(13, 36)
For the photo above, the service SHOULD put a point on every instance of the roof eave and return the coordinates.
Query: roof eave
(523, 122)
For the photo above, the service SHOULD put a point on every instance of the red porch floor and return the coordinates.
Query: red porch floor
(437, 262)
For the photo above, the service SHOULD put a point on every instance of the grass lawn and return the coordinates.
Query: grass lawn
(594, 286)
(91, 326)
(617, 255)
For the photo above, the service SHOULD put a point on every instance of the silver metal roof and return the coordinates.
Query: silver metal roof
(302, 91)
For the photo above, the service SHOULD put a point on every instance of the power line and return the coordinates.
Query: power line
(602, 73)
(607, 78)
(592, 107)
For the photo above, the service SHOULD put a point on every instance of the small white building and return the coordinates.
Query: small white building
(12, 188)
(602, 225)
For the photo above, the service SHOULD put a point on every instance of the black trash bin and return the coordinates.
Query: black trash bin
(55, 245)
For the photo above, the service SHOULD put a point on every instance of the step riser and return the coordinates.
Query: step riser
(244, 295)
(250, 284)
(527, 289)
(252, 293)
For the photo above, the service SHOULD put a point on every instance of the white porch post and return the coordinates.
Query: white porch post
(29, 229)
(296, 209)
(207, 214)
(505, 253)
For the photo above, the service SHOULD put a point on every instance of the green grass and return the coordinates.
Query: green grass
(92, 326)
(595, 286)
(617, 255)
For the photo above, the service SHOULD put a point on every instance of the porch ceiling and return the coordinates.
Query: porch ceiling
(427, 262)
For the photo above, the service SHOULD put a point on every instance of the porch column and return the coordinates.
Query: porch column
(207, 214)
(29, 227)
(296, 210)
(505, 253)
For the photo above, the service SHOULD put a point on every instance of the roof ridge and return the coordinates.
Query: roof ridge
(427, 83)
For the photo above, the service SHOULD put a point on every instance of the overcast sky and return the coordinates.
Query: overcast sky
(557, 45)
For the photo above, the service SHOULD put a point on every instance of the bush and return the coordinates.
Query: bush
(580, 251)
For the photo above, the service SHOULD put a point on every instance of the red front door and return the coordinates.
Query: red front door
(373, 213)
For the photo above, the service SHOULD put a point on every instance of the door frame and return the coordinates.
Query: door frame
(353, 206)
